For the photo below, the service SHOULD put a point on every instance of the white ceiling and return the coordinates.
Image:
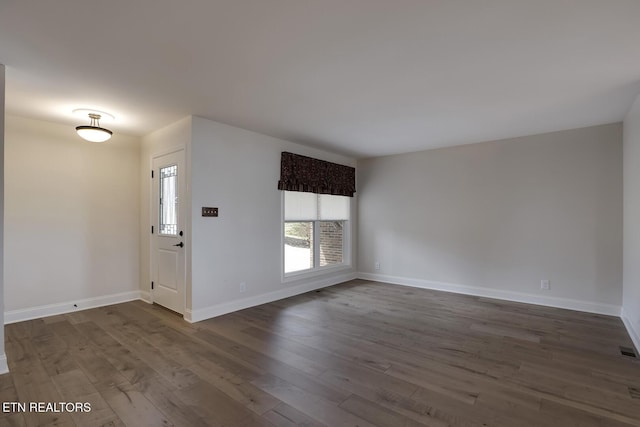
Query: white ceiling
(362, 77)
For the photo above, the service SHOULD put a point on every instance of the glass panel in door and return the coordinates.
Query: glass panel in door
(169, 200)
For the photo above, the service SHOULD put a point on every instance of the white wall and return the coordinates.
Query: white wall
(175, 135)
(3, 357)
(237, 171)
(71, 219)
(495, 218)
(631, 288)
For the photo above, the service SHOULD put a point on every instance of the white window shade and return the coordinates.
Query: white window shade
(333, 207)
(300, 206)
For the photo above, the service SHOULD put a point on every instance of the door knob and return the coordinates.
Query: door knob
(179, 244)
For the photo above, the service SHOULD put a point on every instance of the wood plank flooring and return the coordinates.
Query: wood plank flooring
(355, 354)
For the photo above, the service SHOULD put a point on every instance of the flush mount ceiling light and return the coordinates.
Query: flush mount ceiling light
(93, 132)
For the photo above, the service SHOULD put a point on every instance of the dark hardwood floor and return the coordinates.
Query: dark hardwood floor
(356, 354)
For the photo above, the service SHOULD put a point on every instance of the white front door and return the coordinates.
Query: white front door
(167, 238)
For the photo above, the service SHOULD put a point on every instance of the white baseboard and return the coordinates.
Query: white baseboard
(146, 297)
(4, 368)
(631, 330)
(68, 307)
(200, 314)
(571, 304)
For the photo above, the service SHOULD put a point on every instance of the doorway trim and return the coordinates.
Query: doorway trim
(187, 221)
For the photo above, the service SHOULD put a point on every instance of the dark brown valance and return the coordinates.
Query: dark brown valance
(301, 173)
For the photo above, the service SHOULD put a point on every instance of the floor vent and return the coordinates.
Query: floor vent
(627, 351)
(634, 392)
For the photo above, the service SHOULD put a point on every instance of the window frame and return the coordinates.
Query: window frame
(316, 270)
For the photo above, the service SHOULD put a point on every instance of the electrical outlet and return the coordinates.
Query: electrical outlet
(377, 265)
(243, 287)
(545, 284)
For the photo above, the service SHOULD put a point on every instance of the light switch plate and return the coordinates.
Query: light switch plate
(209, 211)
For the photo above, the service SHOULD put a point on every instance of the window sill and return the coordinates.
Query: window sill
(321, 271)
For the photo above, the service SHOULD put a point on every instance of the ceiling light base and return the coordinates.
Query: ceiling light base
(93, 132)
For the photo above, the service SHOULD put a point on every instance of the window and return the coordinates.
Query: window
(315, 231)
(168, 200)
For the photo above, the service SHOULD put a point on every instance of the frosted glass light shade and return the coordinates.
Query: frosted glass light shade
(94, 133)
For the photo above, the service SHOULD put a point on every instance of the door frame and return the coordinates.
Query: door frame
(187, 220)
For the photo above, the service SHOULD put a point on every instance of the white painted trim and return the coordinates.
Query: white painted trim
(191, 316)
(631, 330)
(146, 297)
(571, 304)
(186, 214)
(317, 271)
(4, 368)
(200, 314)
(168, 150)
(68, 307)
(298, 276)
